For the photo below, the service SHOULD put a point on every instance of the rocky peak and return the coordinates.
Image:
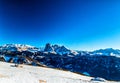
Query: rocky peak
(48, 48)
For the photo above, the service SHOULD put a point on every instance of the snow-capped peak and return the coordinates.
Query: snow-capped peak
(17, 47)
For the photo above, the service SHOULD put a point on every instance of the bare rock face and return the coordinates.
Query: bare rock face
(2, 59)
(48, 48)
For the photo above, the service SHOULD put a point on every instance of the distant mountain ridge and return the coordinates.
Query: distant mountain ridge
(61, 50)
(108, 52)
(48, 48)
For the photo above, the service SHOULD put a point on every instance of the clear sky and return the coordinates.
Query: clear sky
(77, 24)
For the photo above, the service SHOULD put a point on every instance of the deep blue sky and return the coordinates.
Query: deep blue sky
(77, 24)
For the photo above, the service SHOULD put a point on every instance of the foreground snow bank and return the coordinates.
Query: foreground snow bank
(30, 74)
(20, 77)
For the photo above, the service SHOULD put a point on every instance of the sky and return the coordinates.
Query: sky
(77, 24)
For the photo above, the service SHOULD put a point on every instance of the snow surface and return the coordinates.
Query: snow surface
(31, 74)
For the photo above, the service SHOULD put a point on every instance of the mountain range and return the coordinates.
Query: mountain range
(104, 63)
(56, 49)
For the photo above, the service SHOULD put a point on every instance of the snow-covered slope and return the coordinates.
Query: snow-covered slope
(30, 74)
